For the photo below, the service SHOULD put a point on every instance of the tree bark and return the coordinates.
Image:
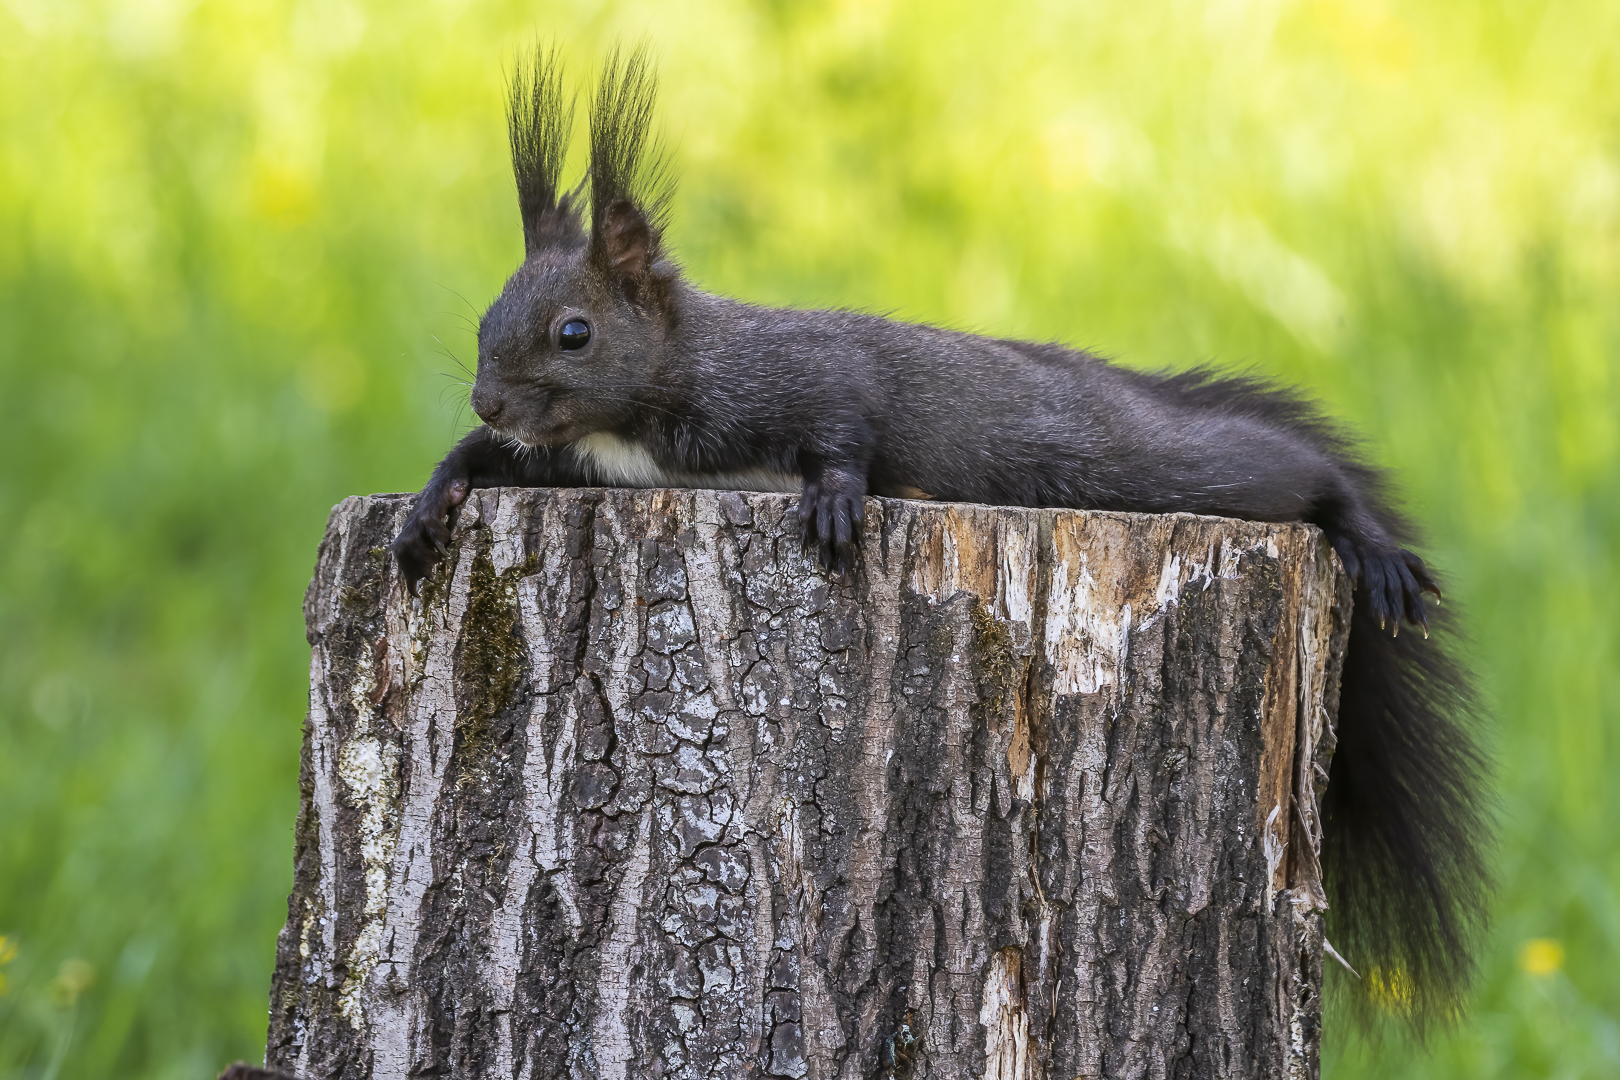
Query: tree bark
(636, 790)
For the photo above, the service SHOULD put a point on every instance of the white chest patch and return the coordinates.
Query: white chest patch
(612, 462)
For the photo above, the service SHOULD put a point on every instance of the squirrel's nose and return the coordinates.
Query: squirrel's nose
(488, 407)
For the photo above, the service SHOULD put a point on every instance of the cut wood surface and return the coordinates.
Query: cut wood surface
(636, 790)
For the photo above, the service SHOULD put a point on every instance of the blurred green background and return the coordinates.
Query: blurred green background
(241, 243)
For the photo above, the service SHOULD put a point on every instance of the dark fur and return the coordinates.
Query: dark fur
(539, 122)
(857, 405)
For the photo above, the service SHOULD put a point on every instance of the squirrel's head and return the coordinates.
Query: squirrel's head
(573, 341)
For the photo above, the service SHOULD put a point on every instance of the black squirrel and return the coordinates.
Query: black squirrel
(600, 364)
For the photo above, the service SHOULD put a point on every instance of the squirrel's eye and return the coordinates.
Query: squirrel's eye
(574, 334)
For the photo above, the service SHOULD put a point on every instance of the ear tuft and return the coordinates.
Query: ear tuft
(539, 120)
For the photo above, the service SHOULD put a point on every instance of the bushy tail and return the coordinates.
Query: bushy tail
(1406, 827)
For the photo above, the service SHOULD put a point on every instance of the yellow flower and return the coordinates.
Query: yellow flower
(8, 953)
(72, 979)
(1541, 956)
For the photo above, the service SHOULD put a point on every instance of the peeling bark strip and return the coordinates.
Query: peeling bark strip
(635, 791)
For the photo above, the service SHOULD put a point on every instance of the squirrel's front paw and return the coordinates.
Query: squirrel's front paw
(422, 540)
(832, 510)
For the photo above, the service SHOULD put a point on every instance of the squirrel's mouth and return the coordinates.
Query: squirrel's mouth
(515, 435)
(530, 432)
(526, 439)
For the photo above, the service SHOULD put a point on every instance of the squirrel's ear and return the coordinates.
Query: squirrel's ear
(627, 243)
(629, 187)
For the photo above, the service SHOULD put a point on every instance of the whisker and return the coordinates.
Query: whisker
(471, 324)
(450, 355)
(476, 313)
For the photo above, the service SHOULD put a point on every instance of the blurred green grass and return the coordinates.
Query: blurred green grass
(240, 243)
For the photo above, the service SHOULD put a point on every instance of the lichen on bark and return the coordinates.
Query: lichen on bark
(490, 657)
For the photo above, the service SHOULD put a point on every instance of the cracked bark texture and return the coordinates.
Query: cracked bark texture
(635, 791)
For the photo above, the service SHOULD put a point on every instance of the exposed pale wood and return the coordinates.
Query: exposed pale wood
(634, 790)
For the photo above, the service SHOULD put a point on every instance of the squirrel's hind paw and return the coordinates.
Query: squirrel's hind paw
(1392, 584)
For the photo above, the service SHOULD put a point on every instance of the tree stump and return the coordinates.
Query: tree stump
(636, 790)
